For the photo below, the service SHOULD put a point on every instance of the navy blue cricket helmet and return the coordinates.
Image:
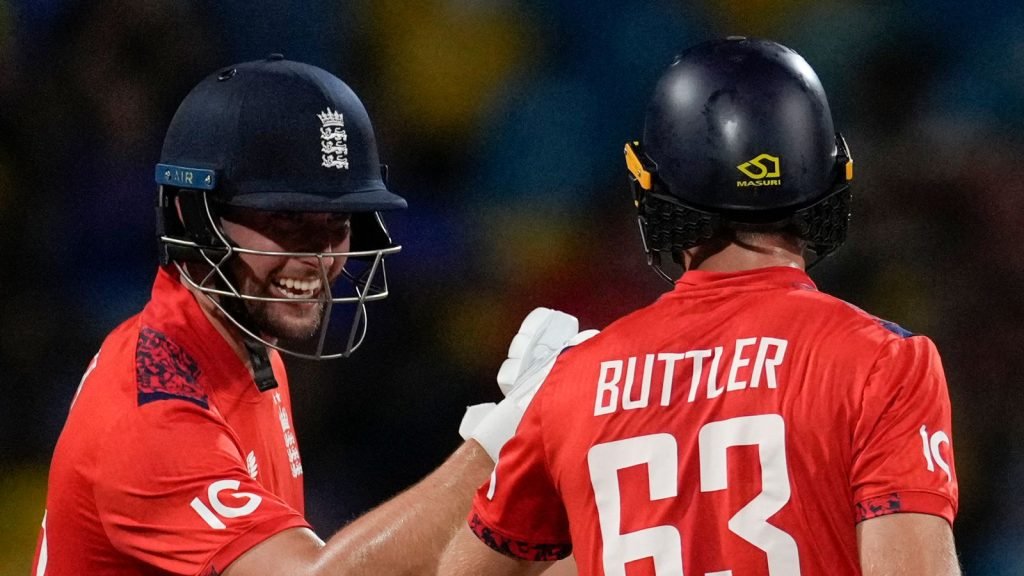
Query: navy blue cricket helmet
(281, 136)
(739, 135)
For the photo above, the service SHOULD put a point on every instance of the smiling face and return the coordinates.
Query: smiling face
(292, 277)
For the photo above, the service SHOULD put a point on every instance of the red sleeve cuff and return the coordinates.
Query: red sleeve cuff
(518, 549)
(245, 541)
(898, 502)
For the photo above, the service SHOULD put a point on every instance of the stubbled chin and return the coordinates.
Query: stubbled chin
(292, 324)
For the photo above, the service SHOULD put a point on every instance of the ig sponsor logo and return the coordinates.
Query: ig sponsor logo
(931, 444)
(222, 510)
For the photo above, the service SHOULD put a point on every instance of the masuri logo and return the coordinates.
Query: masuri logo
(763, 170)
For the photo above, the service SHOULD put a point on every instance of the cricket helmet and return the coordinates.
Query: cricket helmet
(281, 136)
(739, 135)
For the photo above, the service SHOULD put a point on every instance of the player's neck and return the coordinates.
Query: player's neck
(734, 257)
(224, 327)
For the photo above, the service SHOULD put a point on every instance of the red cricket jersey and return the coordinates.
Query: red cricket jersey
(171, 460)
(741, 425)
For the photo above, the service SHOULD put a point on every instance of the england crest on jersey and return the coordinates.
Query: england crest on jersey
(290, 445)
(333, 140)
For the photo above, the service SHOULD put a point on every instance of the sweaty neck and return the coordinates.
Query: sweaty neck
(737, 256)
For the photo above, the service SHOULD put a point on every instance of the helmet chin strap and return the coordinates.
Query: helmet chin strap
(262, 371)
(654, 261)
(820, 255)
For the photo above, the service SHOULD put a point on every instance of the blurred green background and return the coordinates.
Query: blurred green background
(503, 123)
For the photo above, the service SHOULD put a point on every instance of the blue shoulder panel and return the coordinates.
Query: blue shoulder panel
(895, 328)
(165, 371)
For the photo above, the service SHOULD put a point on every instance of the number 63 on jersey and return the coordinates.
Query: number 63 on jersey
(659, 452)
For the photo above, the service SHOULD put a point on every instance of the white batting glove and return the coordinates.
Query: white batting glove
(542, 336)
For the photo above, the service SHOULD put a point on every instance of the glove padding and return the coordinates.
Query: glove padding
(542, 336)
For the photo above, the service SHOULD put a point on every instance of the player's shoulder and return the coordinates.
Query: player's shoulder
(847, 332)
(136, 367)
(164, 370)
(833, 311)
(142, 364)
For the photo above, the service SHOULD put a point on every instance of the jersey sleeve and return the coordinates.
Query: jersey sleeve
(518, 511)
(902, 439)
(173, 491)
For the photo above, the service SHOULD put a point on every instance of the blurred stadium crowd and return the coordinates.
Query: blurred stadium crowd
(503, 123)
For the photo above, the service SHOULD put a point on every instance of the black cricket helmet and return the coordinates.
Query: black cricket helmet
(281, 136)
(739, 135)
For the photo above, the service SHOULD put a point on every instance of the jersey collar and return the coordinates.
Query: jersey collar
(772, 276)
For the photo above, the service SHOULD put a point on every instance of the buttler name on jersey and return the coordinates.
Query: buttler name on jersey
(626, 384)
